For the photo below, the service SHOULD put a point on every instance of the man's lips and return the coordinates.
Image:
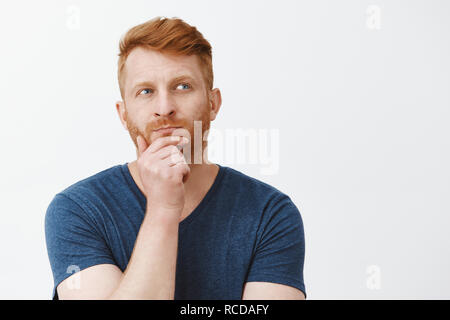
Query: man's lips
(166, 129)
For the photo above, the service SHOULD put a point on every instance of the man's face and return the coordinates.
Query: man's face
(165, 90)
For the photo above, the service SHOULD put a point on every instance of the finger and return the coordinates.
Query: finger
(179, 165)
(185, 170)
(141, 144)
(165, 141)
(174, 158)
(167, 151)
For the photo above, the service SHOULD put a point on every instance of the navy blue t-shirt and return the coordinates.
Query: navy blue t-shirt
(242, 230)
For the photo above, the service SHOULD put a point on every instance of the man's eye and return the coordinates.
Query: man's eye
(185, 84)
(143, 91)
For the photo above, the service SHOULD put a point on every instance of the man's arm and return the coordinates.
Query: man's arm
(276, 271)
(150, 274)
(270, 291)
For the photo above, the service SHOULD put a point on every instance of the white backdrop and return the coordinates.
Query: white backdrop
(359, 92)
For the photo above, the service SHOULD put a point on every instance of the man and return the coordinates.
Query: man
(172, 225)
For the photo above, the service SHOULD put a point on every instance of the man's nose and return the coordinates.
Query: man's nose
(165, 105)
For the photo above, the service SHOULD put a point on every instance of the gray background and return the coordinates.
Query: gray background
(359, 94)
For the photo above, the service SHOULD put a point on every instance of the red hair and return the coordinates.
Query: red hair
(166, 35)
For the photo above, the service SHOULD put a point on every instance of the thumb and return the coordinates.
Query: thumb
(141, 144)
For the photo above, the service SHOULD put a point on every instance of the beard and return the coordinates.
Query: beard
(187, 129)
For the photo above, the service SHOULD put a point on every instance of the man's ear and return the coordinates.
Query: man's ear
(215, 101)
(120, 106)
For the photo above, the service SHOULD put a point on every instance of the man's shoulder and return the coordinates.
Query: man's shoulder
(98, 180)
(251, 188)
(259, 202)
(95, 186)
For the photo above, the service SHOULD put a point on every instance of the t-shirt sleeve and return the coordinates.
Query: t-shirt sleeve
(73, 242)
(280, 251)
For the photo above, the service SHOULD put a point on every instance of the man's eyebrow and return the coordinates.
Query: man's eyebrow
(145, 83)
(183, 77)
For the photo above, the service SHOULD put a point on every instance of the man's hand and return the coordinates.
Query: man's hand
(150, 273)
(163, 171)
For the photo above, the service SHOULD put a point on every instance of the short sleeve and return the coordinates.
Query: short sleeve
(73, 242)
(280, 251)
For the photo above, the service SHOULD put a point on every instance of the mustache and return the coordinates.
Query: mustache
(156, 125)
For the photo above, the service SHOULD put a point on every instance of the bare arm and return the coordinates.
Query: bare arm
(150, 273)
(270, 291)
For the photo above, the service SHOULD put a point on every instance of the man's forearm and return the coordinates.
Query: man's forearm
(150, 274)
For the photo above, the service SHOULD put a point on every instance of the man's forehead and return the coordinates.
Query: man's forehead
(145, 64)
